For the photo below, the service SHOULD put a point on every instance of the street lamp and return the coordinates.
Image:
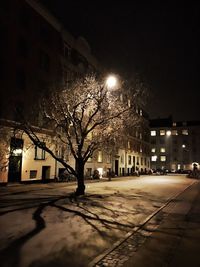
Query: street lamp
(111, 81)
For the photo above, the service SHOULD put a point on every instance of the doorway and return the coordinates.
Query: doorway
(116, 167)
(45, 173)
(15, 160)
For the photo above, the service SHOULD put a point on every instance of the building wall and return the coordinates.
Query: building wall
(178, 142)
(38, 54)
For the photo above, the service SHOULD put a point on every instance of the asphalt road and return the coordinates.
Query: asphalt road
(43, 225)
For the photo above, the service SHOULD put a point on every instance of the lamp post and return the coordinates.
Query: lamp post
(111, 83)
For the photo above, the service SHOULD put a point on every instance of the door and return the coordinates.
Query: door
(15, 160)
(15, 167)
(45, 173)
(116, 167)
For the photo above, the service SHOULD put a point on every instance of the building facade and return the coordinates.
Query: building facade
(38, 53)
(175, 146)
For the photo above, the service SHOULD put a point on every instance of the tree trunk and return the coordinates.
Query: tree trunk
(80, 190)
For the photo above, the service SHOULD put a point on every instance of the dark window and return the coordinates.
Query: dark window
(162, 141)
(33, 174)
(24, 18)
(39, 153)
(45, 33)
(23, 47)
(21, 80)
(44, 61)
(18, 111)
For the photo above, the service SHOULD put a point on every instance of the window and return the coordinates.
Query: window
(129, 160)
(23, 47)
(141, 161)
(162, 150)
(162, 141)
(108, 158)
(168, 133)
(60, 152)
(162, 132)
(141, 112)
(39, 153)
(185, 132)
(33, 174)
(67, 51)
(162, 158)
(153, 133)
(153, 158)
(45, 33)
(21, 80)
(129, 103)
(122, 159)
(44, 61)
(153, 150)
(174, 132)
(100, 156)
(174, 124)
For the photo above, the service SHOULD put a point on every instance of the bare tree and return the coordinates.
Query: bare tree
(84, 117)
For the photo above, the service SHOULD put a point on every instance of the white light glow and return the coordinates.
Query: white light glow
(100, 171)
(168, 133)
(17, 151)
(111, 81)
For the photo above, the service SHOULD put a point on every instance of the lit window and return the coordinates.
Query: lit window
(162, 150)
(153, 158)
(162, 132)
(185, 132)
(153, 133)
(140, 112)
(168, 133)
(153, 150)
(174, 124)
(39, 153)
(174, 132)
(129, 103)
(162, 158)
(100, 156)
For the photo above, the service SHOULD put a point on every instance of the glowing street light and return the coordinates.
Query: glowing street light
(111, 81)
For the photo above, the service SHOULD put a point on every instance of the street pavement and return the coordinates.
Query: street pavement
(171, 238)
(146, 221)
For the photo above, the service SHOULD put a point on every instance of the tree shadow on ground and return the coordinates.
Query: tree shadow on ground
(89, 208)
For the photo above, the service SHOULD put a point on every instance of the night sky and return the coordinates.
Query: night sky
(158, 39)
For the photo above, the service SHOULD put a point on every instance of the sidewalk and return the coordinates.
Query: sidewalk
(170, 239)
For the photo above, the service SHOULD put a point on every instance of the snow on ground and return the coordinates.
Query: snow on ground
(49, 227)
